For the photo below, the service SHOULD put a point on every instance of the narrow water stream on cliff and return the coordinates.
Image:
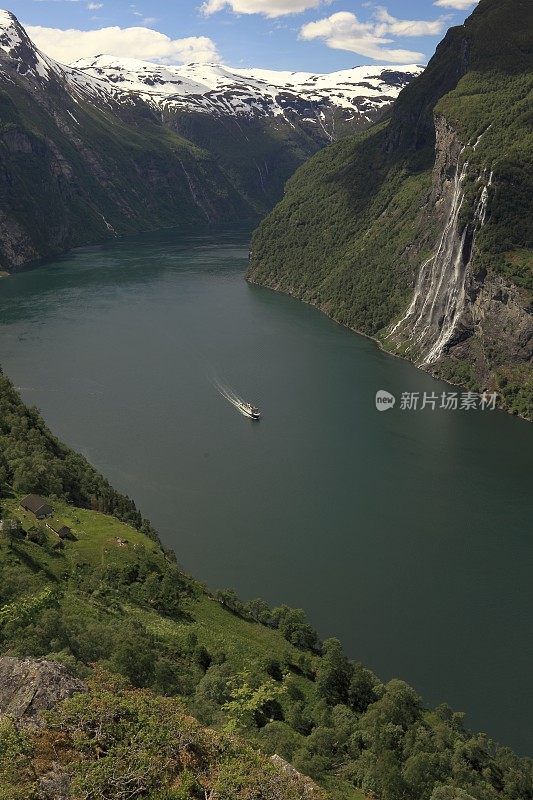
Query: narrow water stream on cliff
(407, 534)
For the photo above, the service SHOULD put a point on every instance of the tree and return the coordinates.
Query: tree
(333, 673)
(272, 667)
(202, 657)
(386, 780)
(388, 718)
(450, 793)
(278, 737)
(230, 599)
(3, 473)
(215, 686)
(37, 534)
(133, 657)
(249, 705)
(259, 610)
(293, 624)
(11, 527)
(362, 689)
(423, 771)
(169, 678)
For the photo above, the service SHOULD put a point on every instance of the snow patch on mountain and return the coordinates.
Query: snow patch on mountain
(14, 42)
(222, 90)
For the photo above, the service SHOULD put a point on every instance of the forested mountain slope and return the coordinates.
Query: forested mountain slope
(190, 692)
(419, 231)
(76, 166)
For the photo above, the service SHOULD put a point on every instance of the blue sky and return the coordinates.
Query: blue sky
(311, 35)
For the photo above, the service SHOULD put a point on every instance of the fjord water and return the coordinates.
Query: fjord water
(407, 534)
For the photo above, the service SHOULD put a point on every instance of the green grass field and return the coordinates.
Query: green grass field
(97, 535)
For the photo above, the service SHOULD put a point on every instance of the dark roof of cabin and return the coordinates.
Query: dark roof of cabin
(58, 527)
(34, 503)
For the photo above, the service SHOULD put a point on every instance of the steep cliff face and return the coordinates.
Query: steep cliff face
(450, 298)
(453, 300)
(419, 231)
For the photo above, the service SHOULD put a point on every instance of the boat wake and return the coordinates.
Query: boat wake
(228, 393)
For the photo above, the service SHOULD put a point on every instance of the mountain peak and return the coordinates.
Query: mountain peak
(358, 95)
(20, 50)
(11, 31)
(7, 19)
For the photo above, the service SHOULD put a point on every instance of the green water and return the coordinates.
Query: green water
(405, 534)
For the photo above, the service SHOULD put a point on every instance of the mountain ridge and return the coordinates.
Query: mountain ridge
(256, 92)
(82, 159)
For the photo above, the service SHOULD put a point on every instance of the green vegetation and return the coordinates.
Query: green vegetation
(516, 383)
(360, 217)
(33, 460)
(158, 649)
(257, 155)
(121, 743)
(117, 173)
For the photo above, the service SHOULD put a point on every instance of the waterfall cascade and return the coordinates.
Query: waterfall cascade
(439, 297)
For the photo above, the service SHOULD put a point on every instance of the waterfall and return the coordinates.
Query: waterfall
(438, 301)
(481, 211)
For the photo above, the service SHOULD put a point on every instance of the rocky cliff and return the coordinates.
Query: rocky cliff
(31, 685)
(459, 310)
(419, 232)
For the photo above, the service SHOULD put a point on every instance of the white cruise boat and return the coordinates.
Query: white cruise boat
(250, 410)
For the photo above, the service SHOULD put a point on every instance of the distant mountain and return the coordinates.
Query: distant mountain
(419, 231)
(319, 100)
(109, 146)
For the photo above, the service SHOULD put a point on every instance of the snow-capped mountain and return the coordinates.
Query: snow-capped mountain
(220, 90)
(19, 51)
(360, 94)
(107, 146)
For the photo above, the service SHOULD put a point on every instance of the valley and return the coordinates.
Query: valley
(376, 524)
(104, 147)
(266, 340)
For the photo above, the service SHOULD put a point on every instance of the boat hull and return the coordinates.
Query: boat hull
(248, 413)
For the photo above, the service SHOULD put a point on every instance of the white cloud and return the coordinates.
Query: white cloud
(136, 42)
(460, 5)
(270, 8)
(343, 31)
(94, 6)
(387, 24)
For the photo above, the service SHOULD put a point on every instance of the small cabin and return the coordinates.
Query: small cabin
(36, 506)
(63, 531)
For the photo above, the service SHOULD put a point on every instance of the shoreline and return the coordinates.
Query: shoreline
(376, 341)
